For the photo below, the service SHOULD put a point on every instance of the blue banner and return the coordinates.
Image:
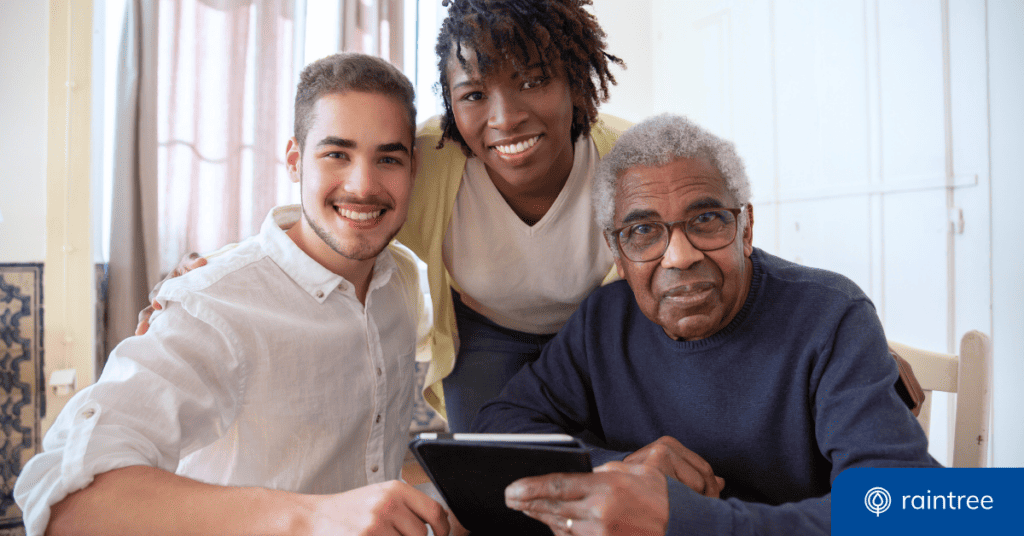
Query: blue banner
(928, 501)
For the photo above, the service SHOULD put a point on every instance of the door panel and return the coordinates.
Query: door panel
(911, 86)
(843, 223)
(914, 262)
(820, 82)
(863, 126)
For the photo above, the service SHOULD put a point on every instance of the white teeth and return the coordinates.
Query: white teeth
(359, 216)
(516, 148)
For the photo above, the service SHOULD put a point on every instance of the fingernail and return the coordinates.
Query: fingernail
(514, 491)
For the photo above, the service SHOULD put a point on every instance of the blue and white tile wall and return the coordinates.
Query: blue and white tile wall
(21, 379)
(22, 382)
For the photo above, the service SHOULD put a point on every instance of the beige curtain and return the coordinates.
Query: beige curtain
(204, 112)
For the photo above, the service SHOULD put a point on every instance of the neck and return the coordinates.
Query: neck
(530, 206)
(531, 200)
(357, 272)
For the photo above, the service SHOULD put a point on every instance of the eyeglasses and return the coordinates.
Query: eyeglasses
(707, 231)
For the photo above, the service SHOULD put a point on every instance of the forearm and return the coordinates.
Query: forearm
(147, 500)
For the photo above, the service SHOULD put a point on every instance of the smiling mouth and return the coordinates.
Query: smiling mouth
(359, 216)
(515, 149)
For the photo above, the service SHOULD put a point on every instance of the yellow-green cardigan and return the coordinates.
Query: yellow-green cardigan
(430, 210)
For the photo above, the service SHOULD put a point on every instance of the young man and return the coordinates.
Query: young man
(273, 393)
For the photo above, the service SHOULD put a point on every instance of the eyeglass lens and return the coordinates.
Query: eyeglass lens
(710, 230)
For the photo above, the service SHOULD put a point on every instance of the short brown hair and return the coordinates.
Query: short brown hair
(344, 72)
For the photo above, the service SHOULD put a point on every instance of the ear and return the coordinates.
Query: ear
(616, 256)
(748, 232)
(293, 159)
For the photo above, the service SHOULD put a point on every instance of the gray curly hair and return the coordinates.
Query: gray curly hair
(655, 142)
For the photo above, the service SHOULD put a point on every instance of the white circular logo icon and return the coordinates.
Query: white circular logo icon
(877, 500)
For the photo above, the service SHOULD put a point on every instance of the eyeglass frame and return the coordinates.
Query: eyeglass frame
(614, 233)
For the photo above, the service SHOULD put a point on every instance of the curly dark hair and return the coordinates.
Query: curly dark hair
(560, 32)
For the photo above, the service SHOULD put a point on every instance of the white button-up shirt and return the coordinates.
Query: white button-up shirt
(262, 369)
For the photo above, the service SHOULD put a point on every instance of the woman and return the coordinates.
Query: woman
(501, 208)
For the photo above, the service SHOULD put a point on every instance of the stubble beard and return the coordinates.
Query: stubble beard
(360, 252)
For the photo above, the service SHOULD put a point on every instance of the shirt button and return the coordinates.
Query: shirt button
(341, 286)
(379, 371)
(374, 469)
(319, 294)
(378, 418)
(90, 412)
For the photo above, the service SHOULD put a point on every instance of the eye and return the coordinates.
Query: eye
(708, 217)
(642, 233)
(641, 236)
(472, 96)
(390, 160)
(711, 222)
(642, 229)
(535, 82)
(338, 155)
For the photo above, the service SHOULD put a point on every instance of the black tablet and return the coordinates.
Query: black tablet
(471, 472)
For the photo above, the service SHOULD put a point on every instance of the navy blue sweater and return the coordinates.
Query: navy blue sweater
(797, 388)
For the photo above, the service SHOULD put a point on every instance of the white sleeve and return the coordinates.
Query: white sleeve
(161, 396)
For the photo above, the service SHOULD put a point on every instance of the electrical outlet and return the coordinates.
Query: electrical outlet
(62, 382)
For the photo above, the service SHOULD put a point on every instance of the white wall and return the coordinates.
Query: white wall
(1006, 113)
(628, 25)
(875, 110)
(23, 57)
(425, 74)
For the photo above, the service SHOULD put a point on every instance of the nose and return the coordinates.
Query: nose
(680, 253)
(360, 181)
(506, 111)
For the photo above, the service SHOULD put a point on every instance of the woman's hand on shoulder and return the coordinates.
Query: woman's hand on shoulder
(187, 264)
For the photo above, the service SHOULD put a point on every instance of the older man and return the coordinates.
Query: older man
(733, 385)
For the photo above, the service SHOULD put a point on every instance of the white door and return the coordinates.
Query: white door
(863, 125)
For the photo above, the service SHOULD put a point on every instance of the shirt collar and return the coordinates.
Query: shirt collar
(313, 277)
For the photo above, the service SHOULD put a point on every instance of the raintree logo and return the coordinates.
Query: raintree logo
(877, 500)
(923, 501)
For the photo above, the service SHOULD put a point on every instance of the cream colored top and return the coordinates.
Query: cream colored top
(433, 200)
(517, 274)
